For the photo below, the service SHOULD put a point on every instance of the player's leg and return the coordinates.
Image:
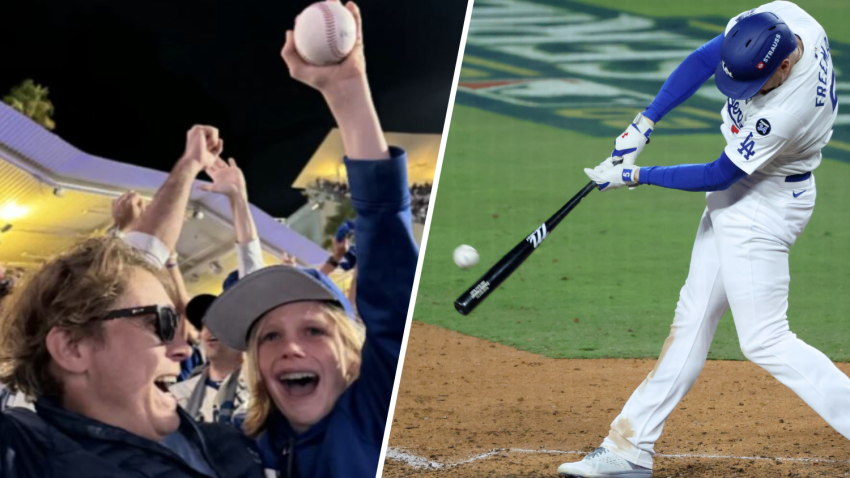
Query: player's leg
(754, 243)
(702, 302)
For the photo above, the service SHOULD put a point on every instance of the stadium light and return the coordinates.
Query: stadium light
(12, 211)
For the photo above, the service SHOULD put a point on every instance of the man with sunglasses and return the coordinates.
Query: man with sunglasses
(95, 339)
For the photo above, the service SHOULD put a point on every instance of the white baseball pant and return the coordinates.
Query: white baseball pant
(740, 260)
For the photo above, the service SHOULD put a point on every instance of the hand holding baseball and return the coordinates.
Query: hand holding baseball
(328, 77)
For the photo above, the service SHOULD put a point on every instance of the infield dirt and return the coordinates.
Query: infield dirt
(461, 398)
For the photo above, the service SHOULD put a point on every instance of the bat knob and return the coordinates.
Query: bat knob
(462, 307)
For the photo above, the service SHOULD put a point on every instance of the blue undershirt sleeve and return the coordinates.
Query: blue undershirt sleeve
(686, 79)
(717, 175)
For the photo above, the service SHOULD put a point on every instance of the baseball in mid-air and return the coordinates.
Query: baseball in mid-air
(465, 256)
(325, 33)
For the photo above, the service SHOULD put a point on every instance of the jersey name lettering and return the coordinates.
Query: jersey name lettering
(823, 76)
(736, 114)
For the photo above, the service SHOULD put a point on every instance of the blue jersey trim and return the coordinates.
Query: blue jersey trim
(717, 175)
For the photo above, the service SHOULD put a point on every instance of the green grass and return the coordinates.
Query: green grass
(618, 260)
(833, 15)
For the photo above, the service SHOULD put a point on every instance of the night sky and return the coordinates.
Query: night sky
(129, 78)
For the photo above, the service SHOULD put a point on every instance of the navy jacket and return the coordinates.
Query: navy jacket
(55, 443)
(348, 441)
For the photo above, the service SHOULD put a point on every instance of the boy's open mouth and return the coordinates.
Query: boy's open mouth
(299, 384)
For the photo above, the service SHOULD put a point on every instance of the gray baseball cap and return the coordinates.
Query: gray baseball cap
(232, 315)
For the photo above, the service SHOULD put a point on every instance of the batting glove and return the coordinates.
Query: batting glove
(631, 142)
(610, 176)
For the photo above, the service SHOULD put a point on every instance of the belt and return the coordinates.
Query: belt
(796, 178)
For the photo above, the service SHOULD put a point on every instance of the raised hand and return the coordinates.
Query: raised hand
(330, 77)
(203, 145)
(126, 210)
(227, 179)
(340, 247)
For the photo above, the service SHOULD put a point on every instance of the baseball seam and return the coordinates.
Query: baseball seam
(330, 31)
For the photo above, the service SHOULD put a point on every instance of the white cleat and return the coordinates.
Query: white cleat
(602, 464)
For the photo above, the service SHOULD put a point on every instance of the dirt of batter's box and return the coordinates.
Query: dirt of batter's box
(461, 397)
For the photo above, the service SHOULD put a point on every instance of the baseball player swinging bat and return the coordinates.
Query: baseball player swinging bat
(497, 274)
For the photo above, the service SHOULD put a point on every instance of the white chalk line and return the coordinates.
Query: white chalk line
(418, 462)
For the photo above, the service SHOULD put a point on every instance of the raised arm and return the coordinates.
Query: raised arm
(386, 250)
(346, 91)
(163, 218)
(229, 180)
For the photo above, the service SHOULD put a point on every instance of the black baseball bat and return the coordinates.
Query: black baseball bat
(497, 274)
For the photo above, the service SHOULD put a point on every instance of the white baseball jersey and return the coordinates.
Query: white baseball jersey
(782, 132)
(740, 255)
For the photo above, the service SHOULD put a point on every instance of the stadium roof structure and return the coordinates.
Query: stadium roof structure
(53, 195)
(326, 163)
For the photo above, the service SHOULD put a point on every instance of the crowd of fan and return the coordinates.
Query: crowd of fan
(420, 195)
(109, 368)
(210, 386)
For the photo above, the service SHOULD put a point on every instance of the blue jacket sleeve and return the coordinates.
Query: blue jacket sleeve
(717, 175)
(686, 79)
(386, 266)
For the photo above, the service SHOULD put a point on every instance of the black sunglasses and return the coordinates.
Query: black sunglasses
(167, 319)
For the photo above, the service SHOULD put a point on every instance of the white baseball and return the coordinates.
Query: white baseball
(465, 256)
(325, 33)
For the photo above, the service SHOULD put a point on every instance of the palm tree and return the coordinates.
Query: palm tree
(30, 98)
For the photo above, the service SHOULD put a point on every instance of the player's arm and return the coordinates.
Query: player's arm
(759, 141)
(695, 70)
(717, 175)
(686, 79)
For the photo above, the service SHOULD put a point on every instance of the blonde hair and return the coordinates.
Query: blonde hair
(260, 405)
(70, 291)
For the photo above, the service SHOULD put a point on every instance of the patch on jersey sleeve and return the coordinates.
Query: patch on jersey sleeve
(747, 147)
(763, 127)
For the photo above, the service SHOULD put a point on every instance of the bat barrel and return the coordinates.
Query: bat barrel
(493, 278)
(497, 274)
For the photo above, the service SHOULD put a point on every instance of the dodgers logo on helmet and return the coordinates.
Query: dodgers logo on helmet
(727, 69)
(745, 15)
(763, 127)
